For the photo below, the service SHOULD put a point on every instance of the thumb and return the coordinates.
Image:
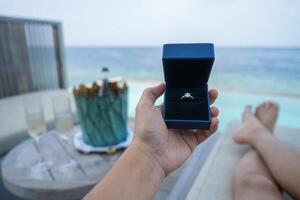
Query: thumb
(150, 94)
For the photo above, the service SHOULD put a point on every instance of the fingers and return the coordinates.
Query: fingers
(213, 94)
(203, 135)
(150, 94)
(213, 126)
(214, 111)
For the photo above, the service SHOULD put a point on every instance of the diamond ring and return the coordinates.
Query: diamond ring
(187, 95)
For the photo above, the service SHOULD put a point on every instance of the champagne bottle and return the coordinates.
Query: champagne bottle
(105, 90)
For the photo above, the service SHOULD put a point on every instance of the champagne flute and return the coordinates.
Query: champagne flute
(64, 126)
(63, 116)
(36, 125)
(34, 117)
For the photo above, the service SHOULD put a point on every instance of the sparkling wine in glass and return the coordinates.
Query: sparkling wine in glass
(64, 127)
(36, 126)
(34, 117)
(63, 116)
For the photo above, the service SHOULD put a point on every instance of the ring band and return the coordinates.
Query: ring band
(187, 95)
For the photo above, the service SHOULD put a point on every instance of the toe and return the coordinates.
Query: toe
(247, 113)
(259, 108)
(274, 105)
(262, 105)
(268, 105)
(265, 104)
(274, 109)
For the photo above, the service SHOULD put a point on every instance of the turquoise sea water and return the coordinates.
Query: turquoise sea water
(243, 76)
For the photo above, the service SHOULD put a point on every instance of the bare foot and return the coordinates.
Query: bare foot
(251, 130)
(267, 114)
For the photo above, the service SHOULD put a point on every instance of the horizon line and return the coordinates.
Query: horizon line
(217, 46)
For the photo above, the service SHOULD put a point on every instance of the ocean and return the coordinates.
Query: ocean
(242, 75)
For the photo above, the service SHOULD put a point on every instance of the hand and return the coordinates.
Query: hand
(168, 147)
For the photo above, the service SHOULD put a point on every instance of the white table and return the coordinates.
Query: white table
(60, 180)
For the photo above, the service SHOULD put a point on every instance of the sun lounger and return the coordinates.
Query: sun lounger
(215, 178)
(211, 178)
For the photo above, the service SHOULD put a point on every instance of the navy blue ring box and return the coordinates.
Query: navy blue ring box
(187, 68)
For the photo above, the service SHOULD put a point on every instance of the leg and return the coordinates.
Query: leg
(252, 179)
(282, 161)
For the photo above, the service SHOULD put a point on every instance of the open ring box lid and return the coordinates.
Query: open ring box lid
(187, 69)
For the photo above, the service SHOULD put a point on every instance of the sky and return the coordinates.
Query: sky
(154, 22)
